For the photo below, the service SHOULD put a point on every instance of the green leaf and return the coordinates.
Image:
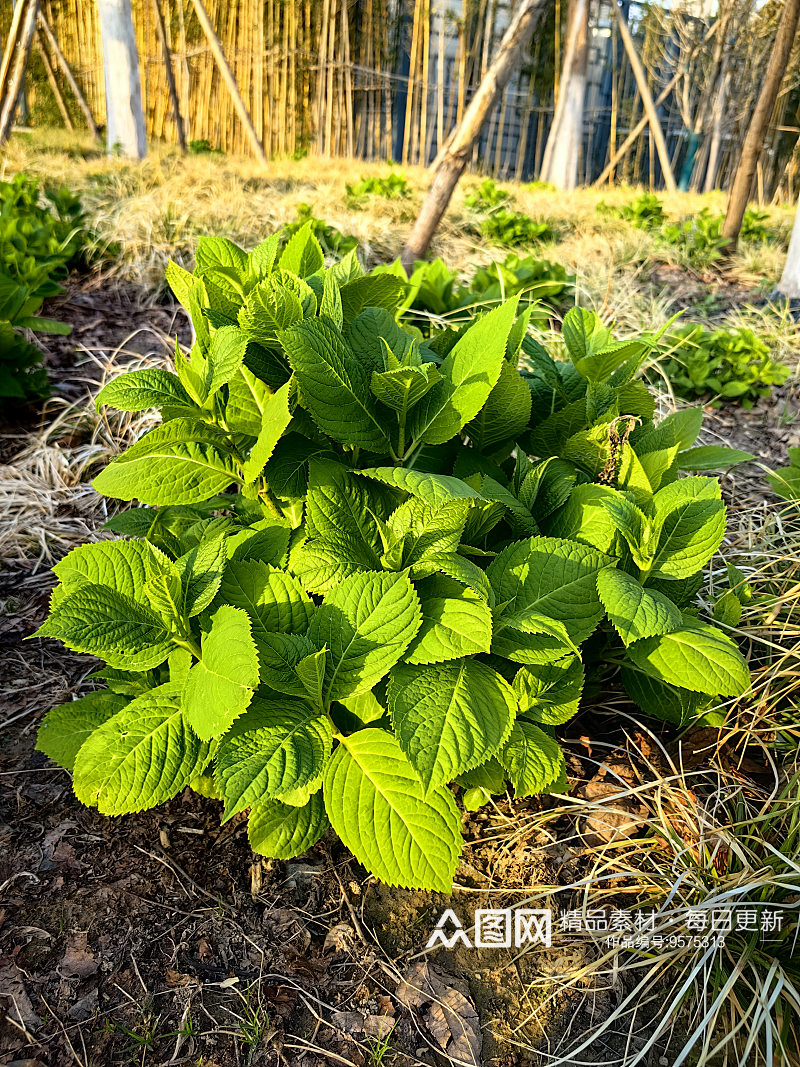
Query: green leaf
(66, 727)
(683, 426)
(689, 526)
(636, 612)
(143, 756)
(466, 572)
(712, 458)
(455, 622)
(122, 631)
(550, 692)
(274, 420)
(201, 570)
(379, 809)
(422, 532)
(281, 831)
(215, 252)
(435, 489)
(125, 566)
(311, 672)
(334, 386)
(331, 304)
(449, 717)
(367, 622)
(180, 282)
(279, 656)
(469, 373)
(221, 685)
(247, 398)
(339, 510)
(184, 461)
(552, 577)
(274, 599)
(667, 702)
(584, 518)
(506, 411)
(635, 527)
(302, 254)
(225, 357)
(142, 389)
(275, 747)
(373, 290)
(696, 657)
(402, 388)
(532, 758)
(165, 594)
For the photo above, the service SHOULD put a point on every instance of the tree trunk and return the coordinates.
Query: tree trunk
(789, 285)
(454, 159)
(560, 162)
(125, 128)
(754, 141)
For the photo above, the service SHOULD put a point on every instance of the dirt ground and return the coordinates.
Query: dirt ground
(160, 938)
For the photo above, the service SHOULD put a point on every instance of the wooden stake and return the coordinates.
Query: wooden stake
(454, 160)
(173, 91)
(12, 84)
(11, 46)
(230, 81)
(647, 99)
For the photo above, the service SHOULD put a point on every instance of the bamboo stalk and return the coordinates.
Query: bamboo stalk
(11, 46)
(230, 81)
(51, 77)
(173, 91)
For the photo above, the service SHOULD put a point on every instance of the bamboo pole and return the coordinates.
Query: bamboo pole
(11, 46)
(16, 74)
(647, 99)
(230, 81)
(161, 33)
(642, 123)
(53, 80)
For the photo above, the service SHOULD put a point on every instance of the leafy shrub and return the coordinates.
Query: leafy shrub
(723, 364)
(646, 211)
(487, 196)
(785, 481)
(755, 225)
(432, 288)
(514, 228)
(201, 146)
(37, 245)
(392, 187)
(365, 566)
(333, 241)
(699, 240)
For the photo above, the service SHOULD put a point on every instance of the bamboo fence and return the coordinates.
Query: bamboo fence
(372, 79)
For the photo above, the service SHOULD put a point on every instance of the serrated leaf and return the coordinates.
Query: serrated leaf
(277, 746)
(552, 577)
(449, 717)
(371, 290)
(165, 594)
(122, 631)
(278, 657)
(366, 622)
(550, 692)
(689, 526)
(584, 518)
(532, 758)
(466, 572)
(220, 686)
(636, 612)
(435, 489)
(422, 532)
(65, 728)
(280, 831)
(184, 461)
(274, 599)
(334, 386)
(303, 254)
(469, 374)
(143, 756)
(506, 411)
(201, 570)
(683, 426)
(180, 282)
(125, 566)
(274, 420)
(247, 398)
(139, 390)
(669, 703)
(378, 808)
(697, 657)
(331, 304)
(455, 622)
(225, 356)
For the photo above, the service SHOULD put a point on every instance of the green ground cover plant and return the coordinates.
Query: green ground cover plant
(332, 241)
(368, 571)
(487, 196)
(785, 481)
(37, 246)
(511, 229)
(646, 211)
(392, 186)
(721, 365)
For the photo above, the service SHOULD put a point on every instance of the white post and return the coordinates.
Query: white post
(124, 112)
(789, 285)
(562, 153)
